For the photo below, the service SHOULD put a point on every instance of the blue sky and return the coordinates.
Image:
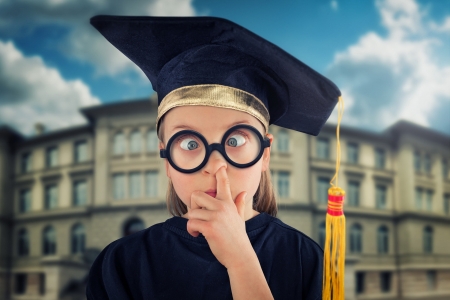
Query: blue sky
(390, 58)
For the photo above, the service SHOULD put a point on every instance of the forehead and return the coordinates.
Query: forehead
(206, 119)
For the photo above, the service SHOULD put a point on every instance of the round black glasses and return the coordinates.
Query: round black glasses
(188, 151)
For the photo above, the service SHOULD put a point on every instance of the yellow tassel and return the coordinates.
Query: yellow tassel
(334, 251)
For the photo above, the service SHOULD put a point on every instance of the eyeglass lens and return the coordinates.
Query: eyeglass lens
(242, 146)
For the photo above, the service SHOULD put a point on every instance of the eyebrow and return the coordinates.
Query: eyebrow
(183, 126)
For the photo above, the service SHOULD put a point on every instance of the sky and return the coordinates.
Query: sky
(390, 58)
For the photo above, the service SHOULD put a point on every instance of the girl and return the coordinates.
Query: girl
(219, 87)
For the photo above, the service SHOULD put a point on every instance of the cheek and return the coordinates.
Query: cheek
(245, 180)
(182, 184)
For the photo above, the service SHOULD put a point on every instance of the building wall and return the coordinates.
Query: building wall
(104, 217)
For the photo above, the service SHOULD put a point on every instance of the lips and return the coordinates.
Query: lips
(211, 192)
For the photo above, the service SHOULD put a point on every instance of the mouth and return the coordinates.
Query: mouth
(212, 193)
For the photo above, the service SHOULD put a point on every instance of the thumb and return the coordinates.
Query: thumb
(240, 204)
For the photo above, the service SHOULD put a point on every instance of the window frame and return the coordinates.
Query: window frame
(26, 162)
(77, 239)
(356, 235)
(76, 151)
(135, 142)
(284, 184)
(48, 201)
(380, 155)
(49, 163)
(48, 246)
(383, 239)
(323, 145)
(355, 158)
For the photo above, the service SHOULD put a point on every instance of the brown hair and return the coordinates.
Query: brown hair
(264, 199)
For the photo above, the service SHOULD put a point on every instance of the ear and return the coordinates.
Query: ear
(166, 162)
(266, 154)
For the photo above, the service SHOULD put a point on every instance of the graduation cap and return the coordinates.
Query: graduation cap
(215, 62)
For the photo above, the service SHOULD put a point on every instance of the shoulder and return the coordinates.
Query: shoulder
(287, 234)
(116, 259)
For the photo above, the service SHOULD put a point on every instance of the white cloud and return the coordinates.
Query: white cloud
(395, 76)
(32, 92)
(83, 42)
(444, 27)
(334, 5)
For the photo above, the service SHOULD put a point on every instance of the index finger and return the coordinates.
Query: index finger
(223, 185)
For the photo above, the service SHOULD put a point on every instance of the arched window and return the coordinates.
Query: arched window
(283, 140)
(132, 226)
(356, 238)
(119, 143)
(383, 239)
(49, 241)
(152, 141)
(428, 239)
(135, 140)
(23, 247)
(322, 233)
(78, 237)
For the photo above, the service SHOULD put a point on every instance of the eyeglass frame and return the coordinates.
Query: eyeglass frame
(209, 148)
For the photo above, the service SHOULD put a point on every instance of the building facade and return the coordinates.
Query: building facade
(66, 194)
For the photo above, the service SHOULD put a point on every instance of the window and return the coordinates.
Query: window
(51, 157)
(322, 234)
(417, 161)
(447, 204)
(380, 158)
(80, 151)
(42, 283)
(25, 164)
(152, 141)
(352, 153)
(78, 239)
(385, 281)
(427, 163)
(356, 238)
(431, 280)
(383, 240)
(418, 198)
(119, 144)
(79, 193)
(119, 186)
(49, 241)
(132, 226)
(444, 169)
(429, 200)
(380, 196)
(428, 239)
(21, 284)
(135, 140)
(283, 141)
(23, 245)
(353, 193)
(25, 200)
(51, 196)
(135, 185)
(323, 184)
(151, 184)
(323, 148)
(283, 184)
(360, 276)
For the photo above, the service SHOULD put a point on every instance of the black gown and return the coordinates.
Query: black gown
(165, 262)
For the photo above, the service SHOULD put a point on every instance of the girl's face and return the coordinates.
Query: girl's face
(212, 123)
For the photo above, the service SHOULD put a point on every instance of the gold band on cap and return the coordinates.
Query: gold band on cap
(217, 96)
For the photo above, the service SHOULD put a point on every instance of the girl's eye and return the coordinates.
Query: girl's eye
(236, 140)
(188, 144)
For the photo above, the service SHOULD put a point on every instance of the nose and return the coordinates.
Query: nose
(215, 162)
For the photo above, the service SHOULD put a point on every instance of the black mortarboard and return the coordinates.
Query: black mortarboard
(212, 61)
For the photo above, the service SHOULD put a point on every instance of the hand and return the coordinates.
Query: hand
(221, 220)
